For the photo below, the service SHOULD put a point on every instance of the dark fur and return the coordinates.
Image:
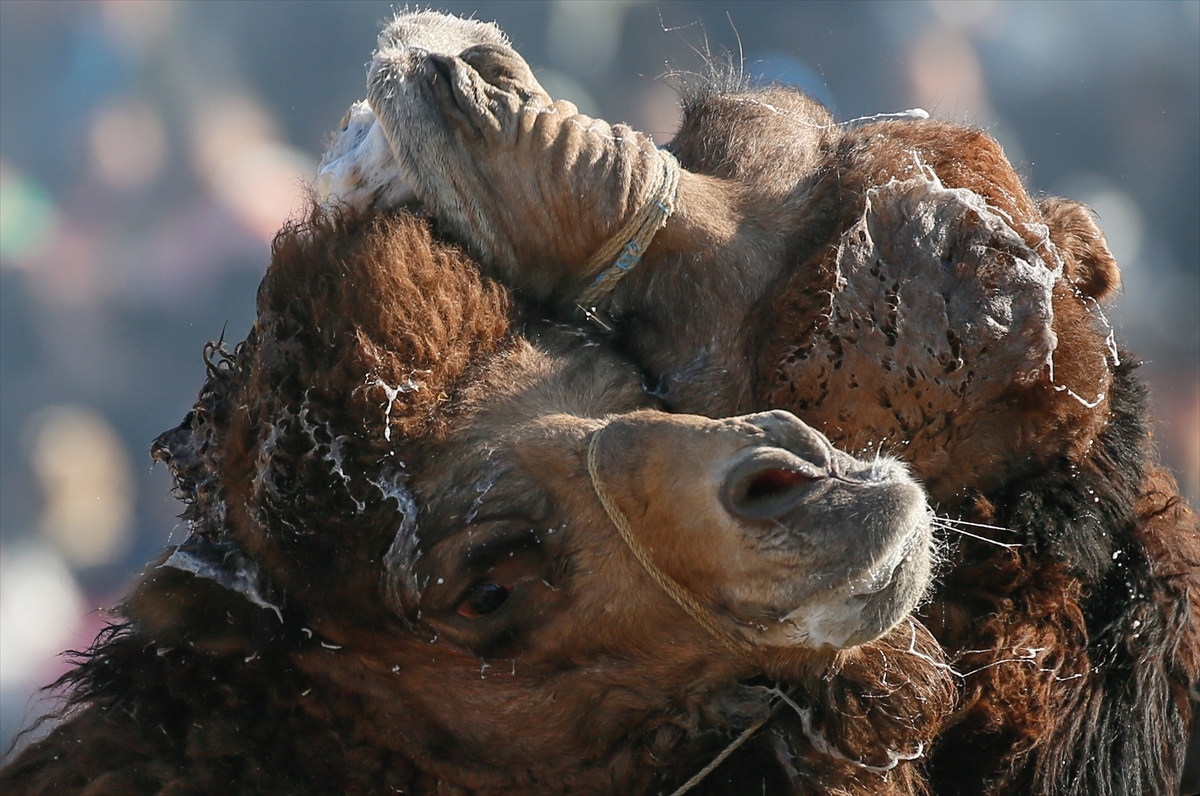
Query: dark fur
(1107, 585)
(1102, 591)
(308, 660)
(735, 308)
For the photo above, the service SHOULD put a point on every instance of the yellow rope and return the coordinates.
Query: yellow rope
(725, 753)
(629, 243)
(685, 601)
(677, 593)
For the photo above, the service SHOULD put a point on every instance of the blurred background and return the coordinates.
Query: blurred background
(148, 152)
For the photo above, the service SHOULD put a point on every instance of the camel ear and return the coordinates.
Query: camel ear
(1087, 261)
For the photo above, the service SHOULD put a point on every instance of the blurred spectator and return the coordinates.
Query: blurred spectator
(148, 151)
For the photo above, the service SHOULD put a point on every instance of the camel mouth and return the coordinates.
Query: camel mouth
(359, 168)
(790, 542)
(870, 602)
(852, 574)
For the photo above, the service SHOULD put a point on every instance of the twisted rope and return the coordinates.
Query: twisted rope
(726, 752)
(680, 595)
(683, 598)
(625, 248)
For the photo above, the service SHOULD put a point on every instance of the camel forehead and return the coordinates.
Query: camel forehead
(515, 435)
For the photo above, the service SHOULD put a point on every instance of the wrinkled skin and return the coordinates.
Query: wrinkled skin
(895, 286)
(769, 181)
(401, 578)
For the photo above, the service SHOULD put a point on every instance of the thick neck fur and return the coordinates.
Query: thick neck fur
(1091, 622)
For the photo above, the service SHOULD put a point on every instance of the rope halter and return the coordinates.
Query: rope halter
(621, 253)
(686, 600)
(682, 597)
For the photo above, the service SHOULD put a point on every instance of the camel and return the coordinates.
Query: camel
(894, 285)
(436, 550)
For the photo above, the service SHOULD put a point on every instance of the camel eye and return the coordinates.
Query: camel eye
(482, 599)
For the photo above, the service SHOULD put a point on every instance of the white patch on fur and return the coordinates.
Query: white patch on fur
(359, 170)
(392, 394)
(399, 576)
(235, 572)
(823, 625)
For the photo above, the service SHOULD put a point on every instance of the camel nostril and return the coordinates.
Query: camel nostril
(439, 66)
(768, 482)
(772, 483)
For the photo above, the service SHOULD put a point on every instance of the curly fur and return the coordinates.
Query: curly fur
(895, 286)
(198, 693)
(1076, 650)
(276, 659)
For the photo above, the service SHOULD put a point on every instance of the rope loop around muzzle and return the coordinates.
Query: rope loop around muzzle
(685, 599)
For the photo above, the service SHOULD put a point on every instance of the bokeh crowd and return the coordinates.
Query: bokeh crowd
(150, 150)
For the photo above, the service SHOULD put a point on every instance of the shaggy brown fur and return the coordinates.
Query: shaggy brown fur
(1077, 649)
(894, 285)
(400, 579)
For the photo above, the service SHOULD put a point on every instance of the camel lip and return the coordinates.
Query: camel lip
(867, 581)
(856, 609)
(882, 575)
(847, 617)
